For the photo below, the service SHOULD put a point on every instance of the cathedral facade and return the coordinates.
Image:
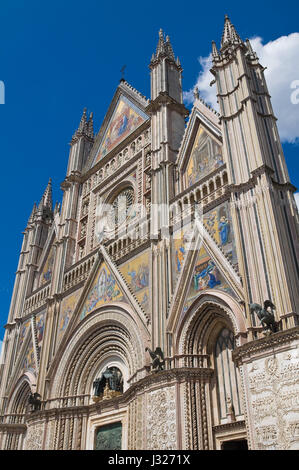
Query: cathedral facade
(157, 307)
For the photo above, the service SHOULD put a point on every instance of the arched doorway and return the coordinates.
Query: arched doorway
(213, 400)
(16, 415)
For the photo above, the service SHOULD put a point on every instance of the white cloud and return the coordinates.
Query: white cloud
(207, 92)
(281, 59)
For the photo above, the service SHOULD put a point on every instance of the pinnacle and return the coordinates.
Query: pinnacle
(164, 47)
(85, 126)
(46, 200)
(230, 35)
(33, 212)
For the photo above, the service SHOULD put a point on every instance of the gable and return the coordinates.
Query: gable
(67, 308)
(205, 157)
(47, 269)
(136, 273)
(29, 357)
(125, 119)
(218, 222)
(204, 258)
(104, 289)
(207, 274)
(40, 327)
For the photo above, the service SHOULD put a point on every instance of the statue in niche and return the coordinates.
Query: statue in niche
(265, 315)
(109, 385)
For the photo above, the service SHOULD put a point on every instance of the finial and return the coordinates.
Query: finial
(249, 47)
(214, 49)
(90, 132)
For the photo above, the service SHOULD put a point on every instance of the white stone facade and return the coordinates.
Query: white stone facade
(168, 230)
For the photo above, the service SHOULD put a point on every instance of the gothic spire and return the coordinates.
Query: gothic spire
(214, 50)
(46, 200)
(90, 126)
(85, 126)
(164, 48)
(33, 212)
(230, 35)
(82, 124)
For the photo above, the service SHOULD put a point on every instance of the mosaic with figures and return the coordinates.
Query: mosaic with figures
(40, 327)
(180, 247)
(104, 289)
(136, 273)
(218, 222)
(24, 328)
(126, 118)
(206, 274)
(29, 360)
(206, 156)
(46, 274)
(66, 311)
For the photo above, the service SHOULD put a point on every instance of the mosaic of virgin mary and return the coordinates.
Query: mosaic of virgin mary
(206, 156)
(125, 119)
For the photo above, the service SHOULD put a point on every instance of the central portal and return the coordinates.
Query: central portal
(109, 437)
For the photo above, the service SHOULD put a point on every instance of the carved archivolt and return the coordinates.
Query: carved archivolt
(209, 310)
(101, 334)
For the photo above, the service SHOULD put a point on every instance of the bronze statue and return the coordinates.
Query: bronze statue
(266, 316)
(112, 378)
(34, 400)
(158, 358)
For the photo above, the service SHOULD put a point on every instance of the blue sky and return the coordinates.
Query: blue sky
(58, 57)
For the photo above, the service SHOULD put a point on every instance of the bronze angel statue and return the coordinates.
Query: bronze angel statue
(157, 357)
(265, 315)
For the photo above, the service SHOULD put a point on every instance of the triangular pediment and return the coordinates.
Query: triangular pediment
(209, 263)
(125, 114)
(26, 360)
(201, 148)
(105, 285)
(207, 274)
(46, 261)
(104, 289)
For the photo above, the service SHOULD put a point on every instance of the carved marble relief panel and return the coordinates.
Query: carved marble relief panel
(161, 419)
(274, 401)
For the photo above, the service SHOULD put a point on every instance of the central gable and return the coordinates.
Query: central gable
(125, 119)
(205, 157)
